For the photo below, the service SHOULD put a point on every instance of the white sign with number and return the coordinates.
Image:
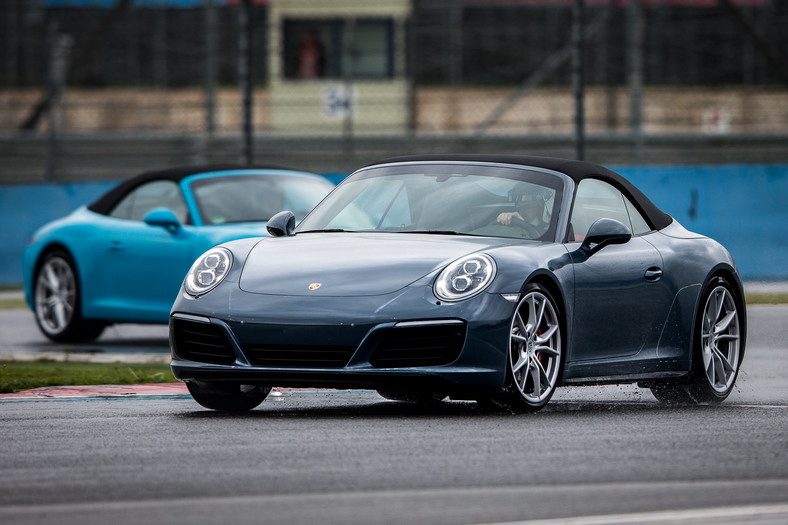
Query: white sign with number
(339, 101)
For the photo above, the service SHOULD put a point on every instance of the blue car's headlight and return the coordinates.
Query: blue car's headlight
(208, 271)
(465, 278)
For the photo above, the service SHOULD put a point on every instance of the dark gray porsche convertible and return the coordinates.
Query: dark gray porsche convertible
(488, 278)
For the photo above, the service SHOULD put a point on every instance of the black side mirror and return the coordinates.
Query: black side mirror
(604, 232)
(281, 225)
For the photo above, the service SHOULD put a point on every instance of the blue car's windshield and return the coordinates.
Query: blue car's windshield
(248, 198)
(446, 199)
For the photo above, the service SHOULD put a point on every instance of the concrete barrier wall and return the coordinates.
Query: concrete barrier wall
(745, 207)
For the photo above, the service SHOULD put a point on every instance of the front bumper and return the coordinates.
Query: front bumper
(344, 343)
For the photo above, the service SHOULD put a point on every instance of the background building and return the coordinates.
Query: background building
(392, 75)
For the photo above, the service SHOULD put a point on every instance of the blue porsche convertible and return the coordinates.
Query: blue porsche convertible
(122, 258)
(490, 278)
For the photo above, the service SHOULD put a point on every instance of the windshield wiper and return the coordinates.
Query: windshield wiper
(423, 232)
(434, 232)
(327, 230)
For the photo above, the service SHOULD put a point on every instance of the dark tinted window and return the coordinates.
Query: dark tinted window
(337, 48)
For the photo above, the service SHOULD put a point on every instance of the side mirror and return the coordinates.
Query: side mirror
(281, 225)
(604, 232)
(163, 217)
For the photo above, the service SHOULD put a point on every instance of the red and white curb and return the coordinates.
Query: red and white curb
(149, 389)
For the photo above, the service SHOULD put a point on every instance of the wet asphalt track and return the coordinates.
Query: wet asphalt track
(351, 457)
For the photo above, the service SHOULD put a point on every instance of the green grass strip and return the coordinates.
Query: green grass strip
(766, 298)
(15, 303)
(24, 375)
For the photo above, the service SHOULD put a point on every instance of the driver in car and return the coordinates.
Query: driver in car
(529, 208)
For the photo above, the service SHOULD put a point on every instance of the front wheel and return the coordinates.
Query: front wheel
(57, 301)
(534, 354)
(717, 350)
(228, 398)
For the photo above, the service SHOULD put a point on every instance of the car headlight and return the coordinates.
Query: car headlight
(208, 271)
(465, 278)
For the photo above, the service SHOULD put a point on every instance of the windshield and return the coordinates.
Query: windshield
(248, 198)
(443, 198)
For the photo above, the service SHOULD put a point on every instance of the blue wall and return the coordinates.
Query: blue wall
(25, 208)
(743, 207)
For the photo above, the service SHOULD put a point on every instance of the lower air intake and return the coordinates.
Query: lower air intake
(414, 346)
(201, 342)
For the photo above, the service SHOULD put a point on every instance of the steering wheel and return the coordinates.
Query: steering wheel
(529, 228)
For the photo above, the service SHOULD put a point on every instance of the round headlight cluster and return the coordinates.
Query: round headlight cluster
(465, 278)
(208, 271)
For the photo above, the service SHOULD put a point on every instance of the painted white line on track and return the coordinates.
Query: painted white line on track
(720, 515)
(756, 406)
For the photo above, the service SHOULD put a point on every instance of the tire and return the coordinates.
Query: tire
(717, 350)
(57, 301)
(421, 397)
(535, 353)
(232, 397)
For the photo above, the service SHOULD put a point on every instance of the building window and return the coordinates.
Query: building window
(337, 48)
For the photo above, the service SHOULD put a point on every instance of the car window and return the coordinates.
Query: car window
(464, 200)
(639, 224)
(251, 198)
(596, 200)
(378, 205)
(144, 198)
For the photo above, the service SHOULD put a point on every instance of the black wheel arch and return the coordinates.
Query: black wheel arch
(549, 282)
(50, 248)
(731, 276)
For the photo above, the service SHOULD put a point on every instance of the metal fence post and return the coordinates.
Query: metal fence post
(578, 76)
(245, 79)
(59, 57)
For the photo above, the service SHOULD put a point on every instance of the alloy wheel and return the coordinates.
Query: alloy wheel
(720, 339)
(56, 295)
(535, 348)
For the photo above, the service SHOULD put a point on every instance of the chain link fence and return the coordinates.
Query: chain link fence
(388, 74)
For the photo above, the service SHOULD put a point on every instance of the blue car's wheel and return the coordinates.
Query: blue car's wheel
(57, 301)
(535, 353)
(228, 398)
(717, 350)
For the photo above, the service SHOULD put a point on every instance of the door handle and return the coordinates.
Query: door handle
(117, 246)
(653, 274)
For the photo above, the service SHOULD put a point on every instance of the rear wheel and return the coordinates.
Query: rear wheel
(534, 354)
(717, 350)
(232, 397)
(57, 301)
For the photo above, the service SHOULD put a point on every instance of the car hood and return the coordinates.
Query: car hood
(351, 264)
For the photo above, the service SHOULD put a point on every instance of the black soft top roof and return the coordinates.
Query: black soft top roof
(577, 170)
(107, 202)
